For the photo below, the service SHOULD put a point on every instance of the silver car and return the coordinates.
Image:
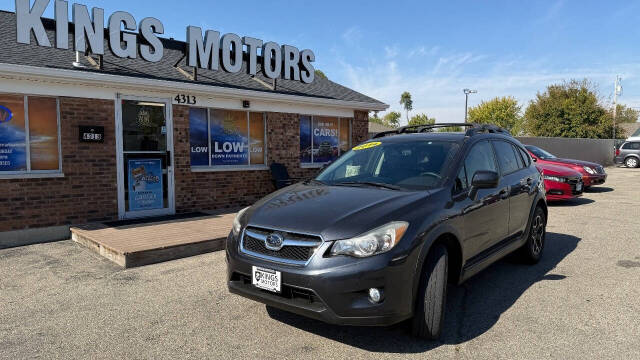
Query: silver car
(628, 154)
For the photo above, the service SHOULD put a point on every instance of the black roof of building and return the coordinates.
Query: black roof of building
(51, 57)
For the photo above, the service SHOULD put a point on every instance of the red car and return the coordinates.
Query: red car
(560, 182)
(592, 173)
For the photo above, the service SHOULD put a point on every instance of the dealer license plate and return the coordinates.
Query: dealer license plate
(579, 187)
(266, 279)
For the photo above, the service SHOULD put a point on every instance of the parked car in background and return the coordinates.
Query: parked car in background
(635, 136)
(375, 237)
(561, 182)
(629, 154)
(592, 173)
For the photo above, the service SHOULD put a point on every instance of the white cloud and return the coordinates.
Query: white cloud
(437, 88)
(422, 51)
(352, 35)
(391, 51)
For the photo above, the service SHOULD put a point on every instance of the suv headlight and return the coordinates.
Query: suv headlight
(374, 242)
(237, 225)
(555, 178)
(589, 170)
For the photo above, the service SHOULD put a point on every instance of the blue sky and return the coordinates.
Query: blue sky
(431, 49)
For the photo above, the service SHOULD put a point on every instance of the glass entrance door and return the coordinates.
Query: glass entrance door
(145, 176)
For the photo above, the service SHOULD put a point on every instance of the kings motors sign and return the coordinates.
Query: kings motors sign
(208, 50)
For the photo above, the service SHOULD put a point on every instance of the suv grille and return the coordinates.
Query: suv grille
(297, 248)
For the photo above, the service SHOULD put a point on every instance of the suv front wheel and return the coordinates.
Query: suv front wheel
(430, 305)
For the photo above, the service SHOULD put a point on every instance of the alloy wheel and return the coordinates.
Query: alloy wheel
(537, 234)
(632, 163)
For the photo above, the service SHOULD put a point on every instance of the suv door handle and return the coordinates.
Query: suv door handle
(504, 193)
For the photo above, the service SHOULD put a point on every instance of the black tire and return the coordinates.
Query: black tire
(631, 162)
(532, 250)
(430, 305)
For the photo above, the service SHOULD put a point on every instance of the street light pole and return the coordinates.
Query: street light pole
(466, 101)
(617, 91)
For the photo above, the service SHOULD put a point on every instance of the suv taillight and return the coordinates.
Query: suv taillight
(617, 152)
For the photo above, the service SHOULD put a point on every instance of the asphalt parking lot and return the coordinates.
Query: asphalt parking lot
(60, 300)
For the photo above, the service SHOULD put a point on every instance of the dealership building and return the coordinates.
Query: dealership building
(101, 118)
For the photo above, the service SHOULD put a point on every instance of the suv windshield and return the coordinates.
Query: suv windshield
(414, 165)
(542, 154)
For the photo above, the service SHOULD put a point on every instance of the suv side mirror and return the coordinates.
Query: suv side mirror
(485, 179)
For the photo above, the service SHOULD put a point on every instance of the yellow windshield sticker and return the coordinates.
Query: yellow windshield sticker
(368, 145)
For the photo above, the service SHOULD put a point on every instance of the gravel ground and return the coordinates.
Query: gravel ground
(60, 300)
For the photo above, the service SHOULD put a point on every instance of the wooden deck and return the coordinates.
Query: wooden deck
(148, 243)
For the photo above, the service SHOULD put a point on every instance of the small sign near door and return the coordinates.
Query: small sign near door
(145, 184)
(91, 134)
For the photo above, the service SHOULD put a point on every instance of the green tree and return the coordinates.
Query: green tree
(392, 119)
(320, 74)
(626, 114)
(375, 118)
(421, 119)
(406, 102)
(571, 109)
(501, 111)
(451, 129)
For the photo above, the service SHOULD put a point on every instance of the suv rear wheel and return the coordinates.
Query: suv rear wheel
(631, 162)
(430, 305)
(532, 251)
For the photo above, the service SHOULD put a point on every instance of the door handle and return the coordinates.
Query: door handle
(504, 193)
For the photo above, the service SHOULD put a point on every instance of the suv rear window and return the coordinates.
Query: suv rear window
(506, 157)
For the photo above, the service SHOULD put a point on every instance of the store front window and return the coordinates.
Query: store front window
(29, 135)
(323, 139)
(226, 139)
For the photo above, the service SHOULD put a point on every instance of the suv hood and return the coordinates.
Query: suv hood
(334, 212)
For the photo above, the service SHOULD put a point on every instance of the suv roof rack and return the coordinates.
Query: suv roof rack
(474, 129)
(487, 128)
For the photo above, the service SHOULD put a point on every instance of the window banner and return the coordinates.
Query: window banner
(13, 146)
(145, 184)
(199, 137)
(325, 139)
(229, 141)
(305, 139)
(43, 133)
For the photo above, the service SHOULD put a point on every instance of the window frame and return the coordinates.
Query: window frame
(317, 165)
(215, 168)
(29, 173)
(464, 160)
(493, 145)
(526, 157)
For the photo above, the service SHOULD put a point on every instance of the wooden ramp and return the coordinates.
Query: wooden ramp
(137, 244)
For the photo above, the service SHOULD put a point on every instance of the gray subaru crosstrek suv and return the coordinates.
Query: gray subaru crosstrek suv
(377, 235)
(628, 154)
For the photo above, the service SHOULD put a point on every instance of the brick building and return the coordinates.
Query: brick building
(87, 138)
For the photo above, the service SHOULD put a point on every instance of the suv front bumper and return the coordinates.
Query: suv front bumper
(330, 289)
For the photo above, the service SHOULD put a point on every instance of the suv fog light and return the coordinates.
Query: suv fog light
(375, 295)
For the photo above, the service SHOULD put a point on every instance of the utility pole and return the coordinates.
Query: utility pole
(617, 91)
(466, 101)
